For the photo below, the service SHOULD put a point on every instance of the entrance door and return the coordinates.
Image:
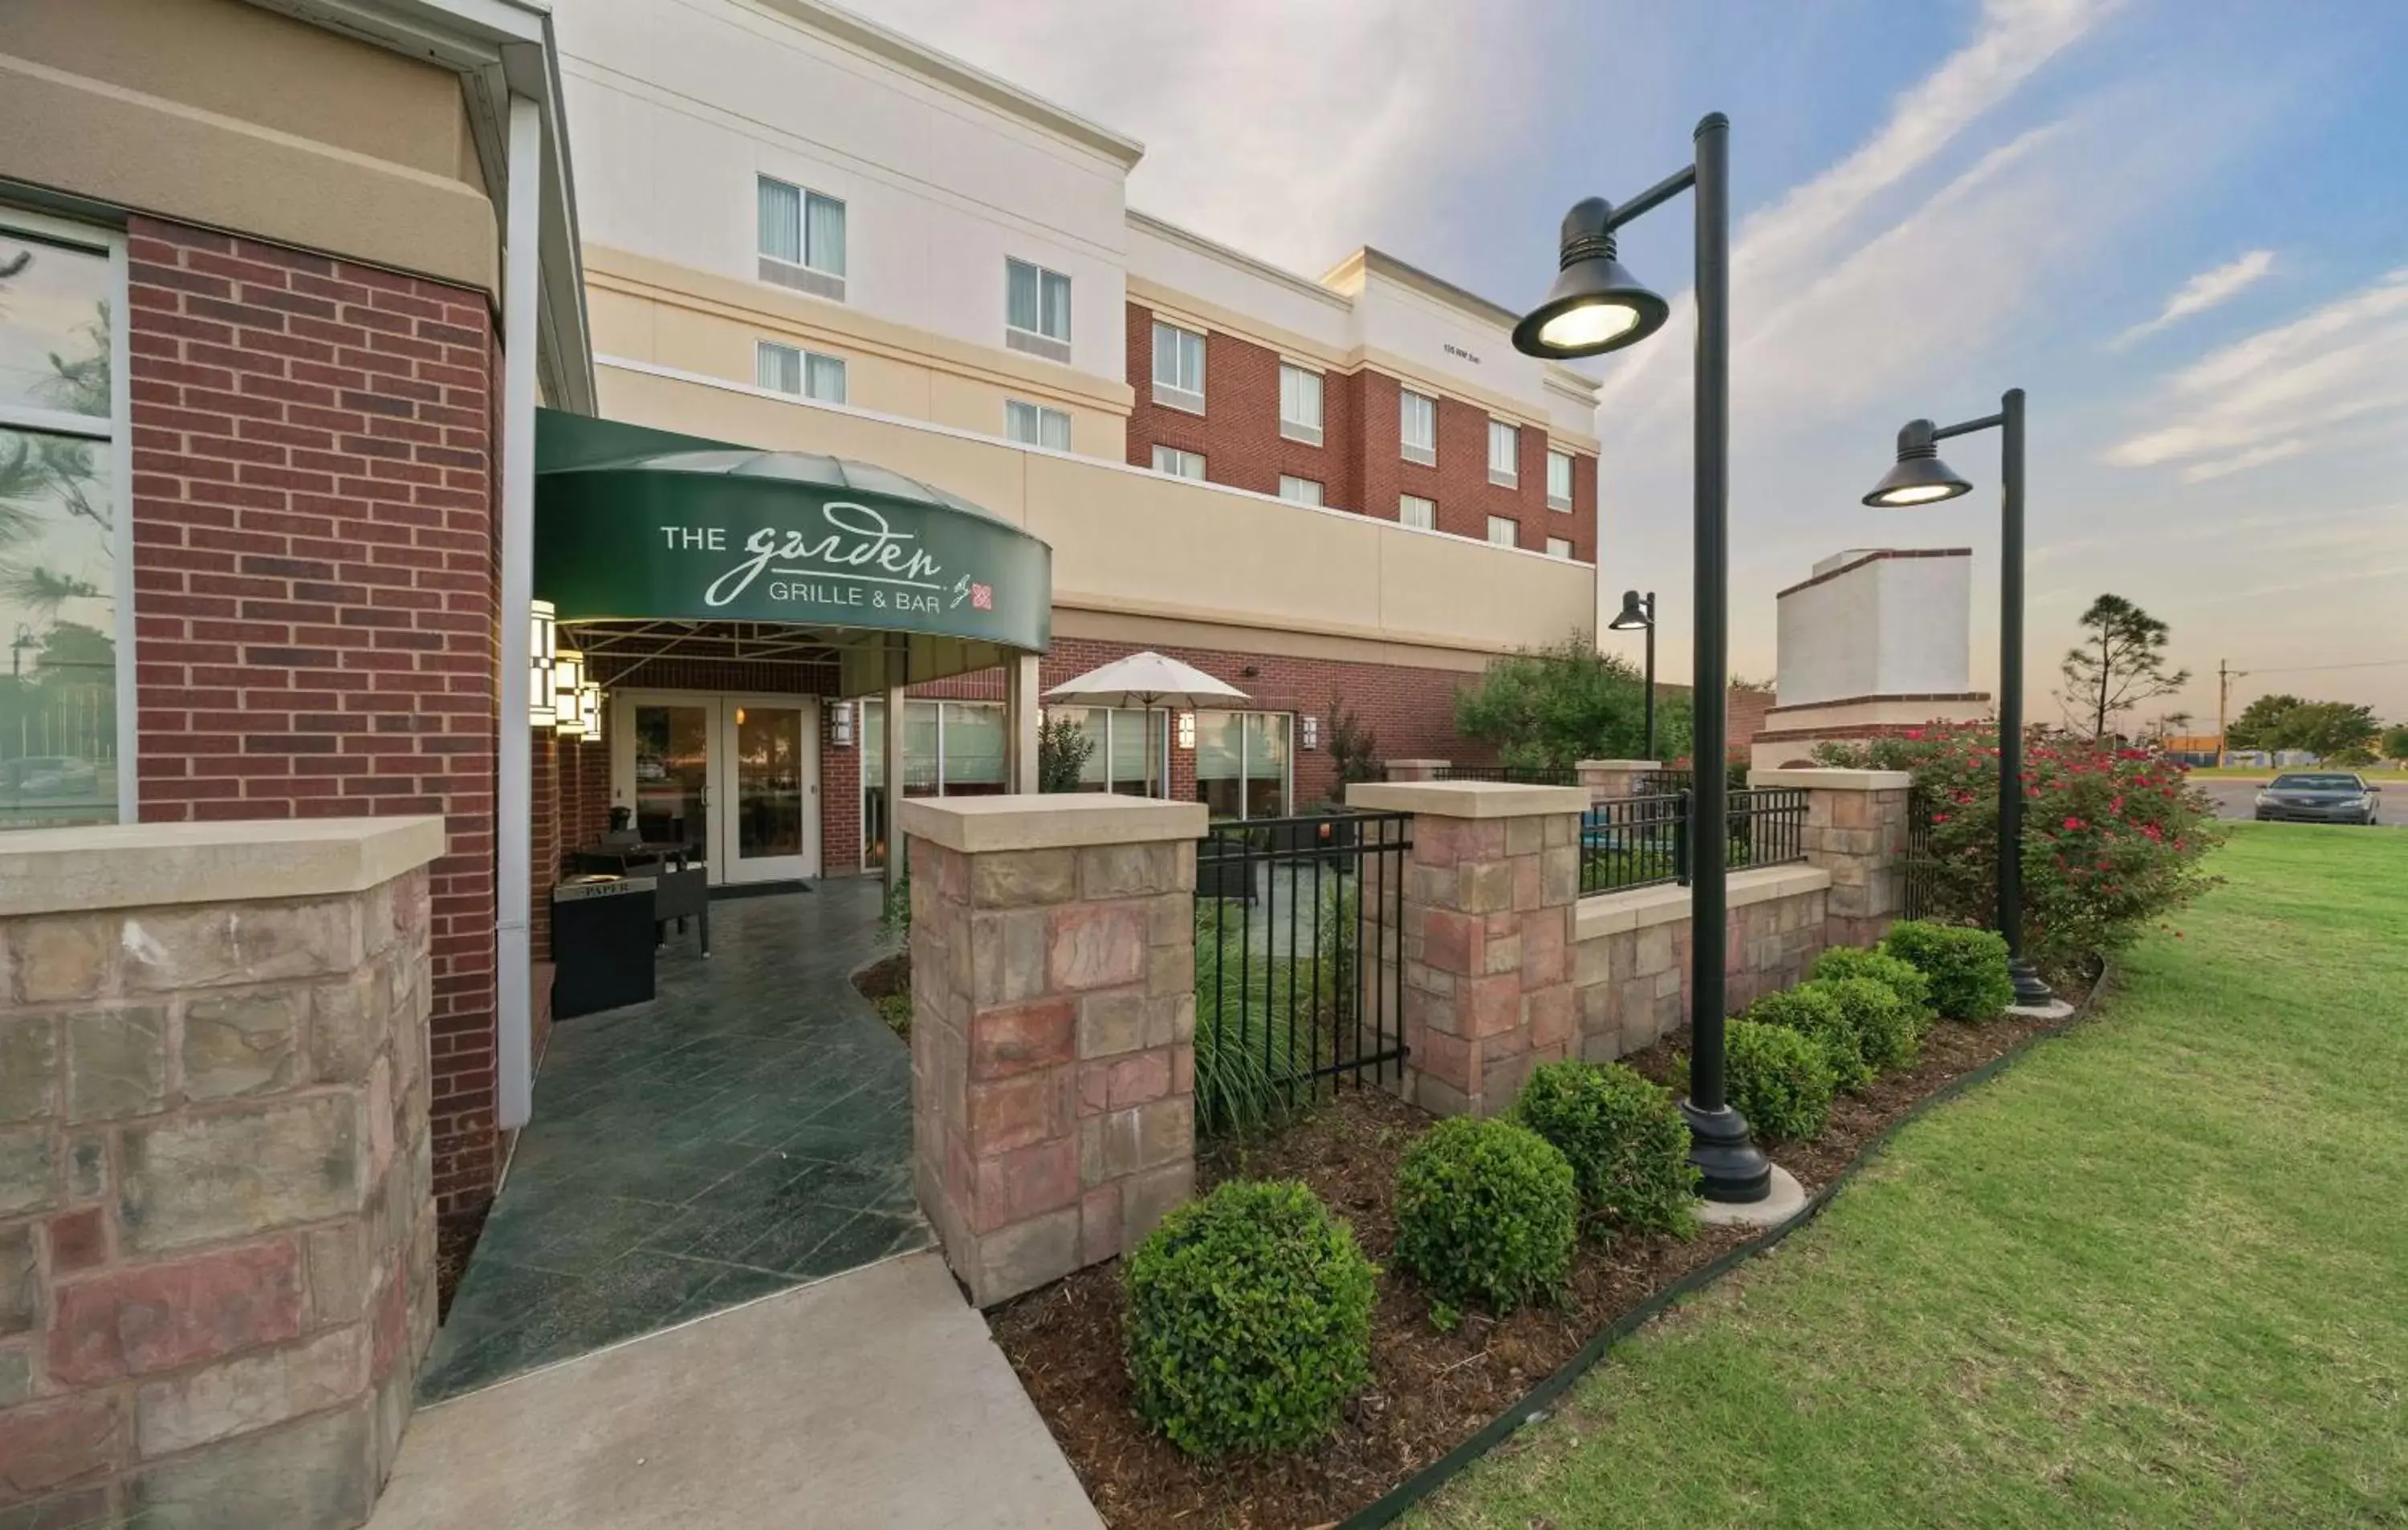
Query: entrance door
(735, 777)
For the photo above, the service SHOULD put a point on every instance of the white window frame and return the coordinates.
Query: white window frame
(807, 275)
(1301, 387)
(118, 432)
(1425, 453)
(1172, 461)
(1511, 527)
(1174, 392)
(1405, 504)
(1039, 417)
(803, 360)
(1248, 720)
(1559, 547)
(1506, 435)
(1041, 341)
(1554, 501)
(1297, 491)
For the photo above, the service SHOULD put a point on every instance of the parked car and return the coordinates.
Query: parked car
(2317, 797)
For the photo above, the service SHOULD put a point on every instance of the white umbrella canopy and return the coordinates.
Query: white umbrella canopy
(1146, 679)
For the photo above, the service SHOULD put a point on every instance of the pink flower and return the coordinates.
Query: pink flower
(1939, 818)
(2073, 822)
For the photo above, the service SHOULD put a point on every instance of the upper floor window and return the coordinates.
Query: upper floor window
(1504, 453)
(1299, 491)
(1504, 531)
(801, 239)
(791, 370)
(1178, 367)
(1178, 464)
(1559, 480)
(1033, 424)
(1036, 310)
(1417, 424)
(1300, 404)
(1559, 547)
(1414, 511)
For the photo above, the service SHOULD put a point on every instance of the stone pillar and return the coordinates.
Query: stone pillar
(1052, 1028)
(1857, 830)
(1490, 885)
(217, 1221)
(1416, 770)
(1610, 779)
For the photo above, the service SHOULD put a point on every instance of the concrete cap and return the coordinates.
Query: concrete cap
(1053, 820)
(1619, 764)
(141, 866)
(1467, 799)
(1835, 780)
(1667, 903)
(1439, 765)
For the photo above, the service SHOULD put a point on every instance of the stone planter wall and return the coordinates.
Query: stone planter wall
(1857, 830)
(217, 1234)
(1630, 959)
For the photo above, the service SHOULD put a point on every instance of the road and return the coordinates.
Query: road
(2233, 799)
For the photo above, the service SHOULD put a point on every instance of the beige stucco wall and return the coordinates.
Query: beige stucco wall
(220, 113)
(1131, 543)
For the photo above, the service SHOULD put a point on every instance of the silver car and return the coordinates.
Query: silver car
(2317, 797)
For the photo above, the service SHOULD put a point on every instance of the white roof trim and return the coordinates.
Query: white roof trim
(1213, 249)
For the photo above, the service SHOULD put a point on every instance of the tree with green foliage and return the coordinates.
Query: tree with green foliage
(2395, 741)
(1354, 749)
(2120, 663)
(1552, 707)
(1063, 749)
(2326, 729)
(2259, 724)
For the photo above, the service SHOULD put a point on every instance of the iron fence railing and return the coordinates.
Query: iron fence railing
(1299, 962)
(1915, 894)
(1644, 842)
(1517, 775)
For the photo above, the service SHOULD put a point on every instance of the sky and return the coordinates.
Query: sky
(2178, 225)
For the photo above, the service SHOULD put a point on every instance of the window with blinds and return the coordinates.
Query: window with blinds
(800, 239)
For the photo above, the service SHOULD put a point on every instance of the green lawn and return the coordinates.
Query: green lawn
(2157, 1274)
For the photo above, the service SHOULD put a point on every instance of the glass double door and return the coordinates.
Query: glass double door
(735, 777)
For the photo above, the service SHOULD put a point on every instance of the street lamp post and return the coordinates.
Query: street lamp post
(1595, 306)
(1640, 612)
(1920, 478)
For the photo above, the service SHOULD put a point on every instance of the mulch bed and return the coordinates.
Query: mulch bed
(1429, 1390)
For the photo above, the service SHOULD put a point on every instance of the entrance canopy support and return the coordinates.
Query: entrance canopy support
(1020, 716)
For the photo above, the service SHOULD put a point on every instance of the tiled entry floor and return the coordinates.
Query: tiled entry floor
(748, 1130)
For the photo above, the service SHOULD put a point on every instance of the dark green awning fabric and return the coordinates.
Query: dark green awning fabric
(911, 582)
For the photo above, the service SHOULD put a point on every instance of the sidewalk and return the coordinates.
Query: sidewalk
(873, 1399)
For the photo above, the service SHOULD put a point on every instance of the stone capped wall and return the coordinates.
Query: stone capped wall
(1630, 963)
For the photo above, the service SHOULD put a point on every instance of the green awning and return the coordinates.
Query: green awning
(909, 583)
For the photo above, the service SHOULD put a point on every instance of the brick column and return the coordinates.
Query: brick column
(1489, 889)
(1052, 1028)
(1416, 770)
(1855, 829)
(1611, 778)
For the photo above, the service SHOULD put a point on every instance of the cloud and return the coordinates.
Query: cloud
(2256, 456)
(2202, 293)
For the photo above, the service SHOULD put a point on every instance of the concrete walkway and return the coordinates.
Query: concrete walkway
(873, 1399)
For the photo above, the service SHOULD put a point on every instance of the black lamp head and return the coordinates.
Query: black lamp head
(1919, 477)
(1595, 306)
(1635, 613)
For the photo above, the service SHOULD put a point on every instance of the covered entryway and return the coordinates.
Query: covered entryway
(737, 776)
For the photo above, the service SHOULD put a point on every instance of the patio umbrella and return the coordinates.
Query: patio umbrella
(1146, 679)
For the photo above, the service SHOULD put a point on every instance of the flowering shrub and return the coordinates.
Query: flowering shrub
(2113, 836)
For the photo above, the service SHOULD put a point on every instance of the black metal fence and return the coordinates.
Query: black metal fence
(1644, 842)
(1299, 962)
(1517, 775)
(1916, 892)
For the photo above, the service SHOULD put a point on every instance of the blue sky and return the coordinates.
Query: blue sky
(2181, 225)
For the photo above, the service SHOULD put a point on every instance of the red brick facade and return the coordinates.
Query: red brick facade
(1360, 464)
(315, 584)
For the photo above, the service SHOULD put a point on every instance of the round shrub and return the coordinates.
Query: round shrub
(1902, 977)
(1249, 1320)
(1810, 1009)
(1486, 1210)
(1779, 1079)
(1625, 1139)
(1889, 1036)
(1966, 967)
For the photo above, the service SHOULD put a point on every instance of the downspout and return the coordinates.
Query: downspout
(514, 785)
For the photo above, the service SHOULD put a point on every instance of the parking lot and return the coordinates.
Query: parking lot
(2233, 798)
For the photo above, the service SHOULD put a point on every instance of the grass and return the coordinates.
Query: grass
(2153, 1274)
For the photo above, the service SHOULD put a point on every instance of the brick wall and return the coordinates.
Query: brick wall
(315, 583)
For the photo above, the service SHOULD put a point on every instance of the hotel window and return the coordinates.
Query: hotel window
(1504, 454)
(951, 749)
(1414, 511)
(1504, 531)
(1299, 491)
(1179, 368)
(58, 424)
(1559, 480)
(790, 370)
(1119, 761)
(1241, 764)
(1417, 424)
(1559, 547)
(1036, 310)
(1033, 424)
(1300, 404)
(1178, 464)
(801, 239)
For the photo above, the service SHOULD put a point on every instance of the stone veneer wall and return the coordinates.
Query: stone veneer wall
(1630, 959)
(217, 1226)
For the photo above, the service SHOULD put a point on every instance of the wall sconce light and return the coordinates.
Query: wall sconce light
(589, 711)
(1187, 730)
(540, 641)
(568, 692)
(1312, 731)
(840, 724)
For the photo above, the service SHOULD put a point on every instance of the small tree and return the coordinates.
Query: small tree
(1354, 749)
(2261, 724)
(2395, 741)
(1557, 707)
(2120, 663)
(1063, 750)
(2327, 728)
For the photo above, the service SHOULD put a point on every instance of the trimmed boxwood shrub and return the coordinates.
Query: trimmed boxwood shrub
(1967, 967)
(1249, 1321)
(1810, 1009)
(1889, 1036)
(1779, 1079)
(1486, 1210)
(1625, 1139)
(1902, 978)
